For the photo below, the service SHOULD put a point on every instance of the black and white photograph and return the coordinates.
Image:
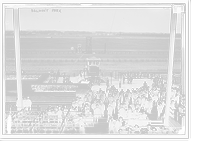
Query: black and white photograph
(95, 70)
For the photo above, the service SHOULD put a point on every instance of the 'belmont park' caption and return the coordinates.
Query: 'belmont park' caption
(46, 10)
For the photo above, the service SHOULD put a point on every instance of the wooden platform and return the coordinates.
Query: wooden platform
(44, 98)
(11, 93)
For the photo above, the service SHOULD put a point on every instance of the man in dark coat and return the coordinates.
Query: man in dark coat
(128, 93)
(103, 107)
(143, 99)
(118, 104)
(122, 112)
(111, 125)
(104, 96)
(159, 110)
(97, 113)
(114, 105)
(150, 105)
(109, 111)
(110, 98)
(81, 125)
(59, 113)
(80, 103)
(121, 96)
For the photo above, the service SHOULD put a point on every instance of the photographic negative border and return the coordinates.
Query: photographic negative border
(84, 5)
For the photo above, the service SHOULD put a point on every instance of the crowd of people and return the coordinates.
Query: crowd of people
(134, 107)
(123, 106)
(129, 103)
(57, 111)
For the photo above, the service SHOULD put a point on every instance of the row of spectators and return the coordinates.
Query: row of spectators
(57, 111)
(26, 103)
(119, 126)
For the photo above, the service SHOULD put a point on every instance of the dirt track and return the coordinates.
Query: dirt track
(117, 54)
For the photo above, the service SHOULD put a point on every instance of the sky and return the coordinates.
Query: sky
(94, 19)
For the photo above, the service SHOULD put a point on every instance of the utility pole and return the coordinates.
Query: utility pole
(170, 66)
(17, 56)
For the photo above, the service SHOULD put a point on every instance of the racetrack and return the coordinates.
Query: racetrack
(42, 54)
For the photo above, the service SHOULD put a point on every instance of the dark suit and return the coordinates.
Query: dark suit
(109, 111)
(97, 114)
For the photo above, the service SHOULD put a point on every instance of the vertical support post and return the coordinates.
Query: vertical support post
(183, 79)
(4, 72)
(170, 64)
(18, 59)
